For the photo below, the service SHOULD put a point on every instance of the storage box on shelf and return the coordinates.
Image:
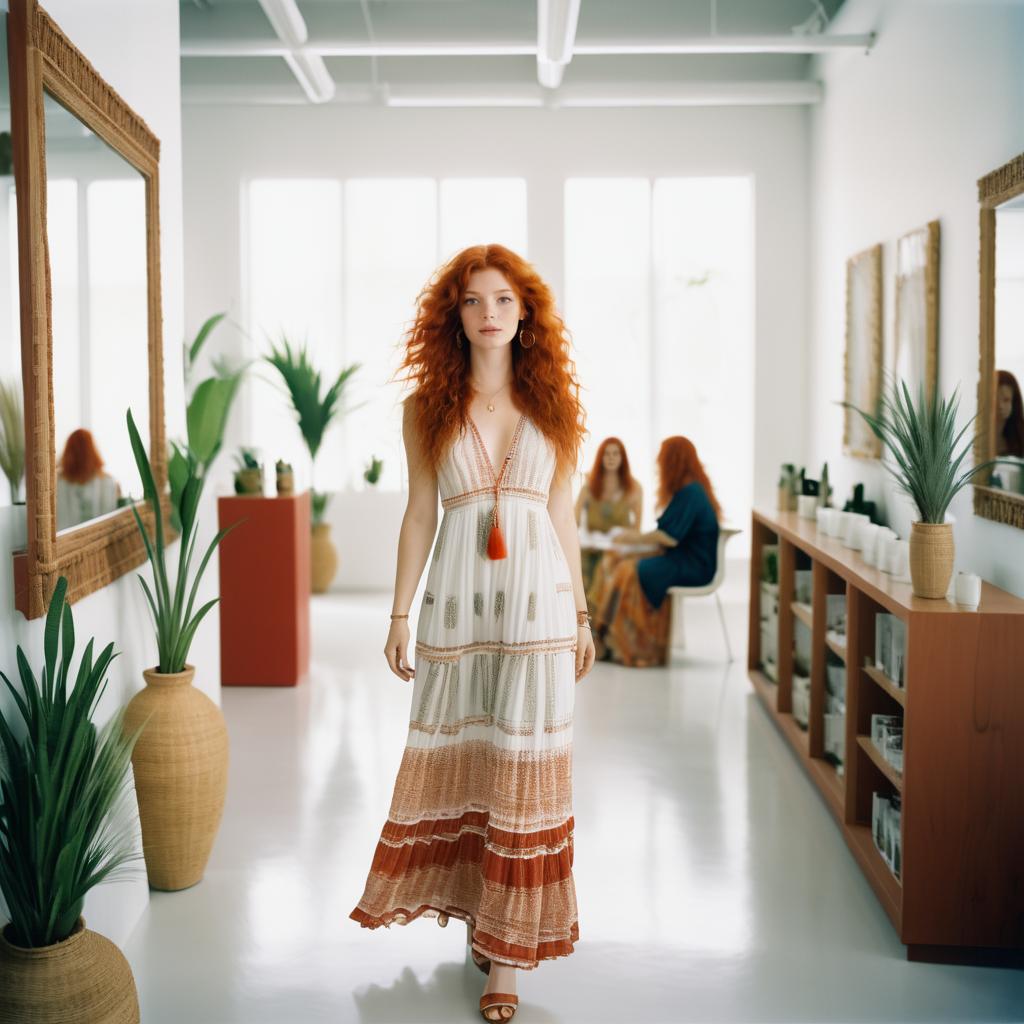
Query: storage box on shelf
(949, 872)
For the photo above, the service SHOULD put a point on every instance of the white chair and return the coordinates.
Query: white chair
(676, 631)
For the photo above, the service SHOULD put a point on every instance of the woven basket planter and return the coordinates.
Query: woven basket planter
(323, 558)
(85, 979)
(249, 481)
(181, 776)
(931, 559)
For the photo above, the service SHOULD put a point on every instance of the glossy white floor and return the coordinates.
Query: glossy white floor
(712, 882)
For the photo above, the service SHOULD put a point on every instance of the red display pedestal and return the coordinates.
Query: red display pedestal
(264, 590)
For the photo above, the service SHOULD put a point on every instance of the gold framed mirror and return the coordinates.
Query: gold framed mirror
(916, 301)
(862, 369)
(1000, 423)
(86, 170)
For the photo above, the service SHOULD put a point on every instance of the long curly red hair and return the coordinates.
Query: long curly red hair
(679, 465)
(595, 481)
(1013, 428)
(544, 383)
(80, 461)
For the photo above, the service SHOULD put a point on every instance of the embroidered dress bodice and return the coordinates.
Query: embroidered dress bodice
(466, 475)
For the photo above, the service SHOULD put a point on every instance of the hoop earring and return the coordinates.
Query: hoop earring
(522, 338)
(459, 337)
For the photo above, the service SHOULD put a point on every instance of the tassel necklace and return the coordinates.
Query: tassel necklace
(496, 540)
(496, 548)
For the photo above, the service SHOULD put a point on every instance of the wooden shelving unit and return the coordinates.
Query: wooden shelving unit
(960, 898)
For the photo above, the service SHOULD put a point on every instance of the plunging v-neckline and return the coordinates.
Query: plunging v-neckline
(483, 448)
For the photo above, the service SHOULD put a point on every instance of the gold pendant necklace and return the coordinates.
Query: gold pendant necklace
(490, 401)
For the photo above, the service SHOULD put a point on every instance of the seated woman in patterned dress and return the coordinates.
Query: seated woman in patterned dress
(632, 622)
(609, 497)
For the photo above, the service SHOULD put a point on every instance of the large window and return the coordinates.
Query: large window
(659, 298)
(340, 265)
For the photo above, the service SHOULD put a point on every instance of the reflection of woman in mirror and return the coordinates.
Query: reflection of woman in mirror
(632, 621)
(609, 497)
(84, 491)
(1009, 415)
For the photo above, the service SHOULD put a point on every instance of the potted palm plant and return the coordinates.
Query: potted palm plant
(66, 824)
(181, 762)
(928, 454)
(315, 413)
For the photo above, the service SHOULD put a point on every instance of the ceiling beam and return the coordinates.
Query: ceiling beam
(328, 47)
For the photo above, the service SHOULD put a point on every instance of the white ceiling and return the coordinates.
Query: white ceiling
(485, 52)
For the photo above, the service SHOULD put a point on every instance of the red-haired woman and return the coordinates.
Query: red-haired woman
(1009, 415)
(480, 825)
(609, 497)
(84, 491)
(632, 619)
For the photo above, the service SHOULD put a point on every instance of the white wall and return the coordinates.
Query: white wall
(134, 45)
(224, 145)
(901, 139)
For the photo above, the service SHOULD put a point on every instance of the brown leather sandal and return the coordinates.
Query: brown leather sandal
(495, 1000)
(481, 961)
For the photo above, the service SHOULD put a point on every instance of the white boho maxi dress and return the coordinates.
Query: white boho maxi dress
(481, 825)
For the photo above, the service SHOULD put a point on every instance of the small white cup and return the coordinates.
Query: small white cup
(869, 543)
(900, 555)
(806, 505)
(851, 528)
(968, 590)
(821, 516)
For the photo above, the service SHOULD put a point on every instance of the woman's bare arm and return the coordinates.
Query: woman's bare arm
(419, 525)
(580, 499)
(560, 508)
(636, 503)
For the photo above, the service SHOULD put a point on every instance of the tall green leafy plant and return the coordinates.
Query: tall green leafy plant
(12, 435)
(206, 414)
(65, 821)
(928, 451)
(172, 598)
(316, 412)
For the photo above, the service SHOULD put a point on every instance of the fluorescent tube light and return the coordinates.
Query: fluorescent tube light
(312, 75)
(287, 21)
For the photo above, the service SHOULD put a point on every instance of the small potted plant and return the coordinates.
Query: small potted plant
(372, 472)
(181, 762)
(65, 825)
(926, 447)
(285, 478)
(248, 472)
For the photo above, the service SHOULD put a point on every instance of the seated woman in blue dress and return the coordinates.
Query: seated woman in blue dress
(632, 622)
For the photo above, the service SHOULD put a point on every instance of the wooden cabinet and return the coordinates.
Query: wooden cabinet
(264, 590)
(960, 894)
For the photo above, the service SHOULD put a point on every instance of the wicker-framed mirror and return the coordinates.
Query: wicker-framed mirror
(1000, 423)
(862, 365)
(64, 114)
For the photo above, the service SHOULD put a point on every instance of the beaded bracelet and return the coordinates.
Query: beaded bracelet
(400, 616)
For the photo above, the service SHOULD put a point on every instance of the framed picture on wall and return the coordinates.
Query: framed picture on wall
(863, 362)
(916, 334)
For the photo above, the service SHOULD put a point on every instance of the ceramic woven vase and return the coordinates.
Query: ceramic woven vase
(323, 558)
(931, 559)
(181, 776)
(85, 979)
